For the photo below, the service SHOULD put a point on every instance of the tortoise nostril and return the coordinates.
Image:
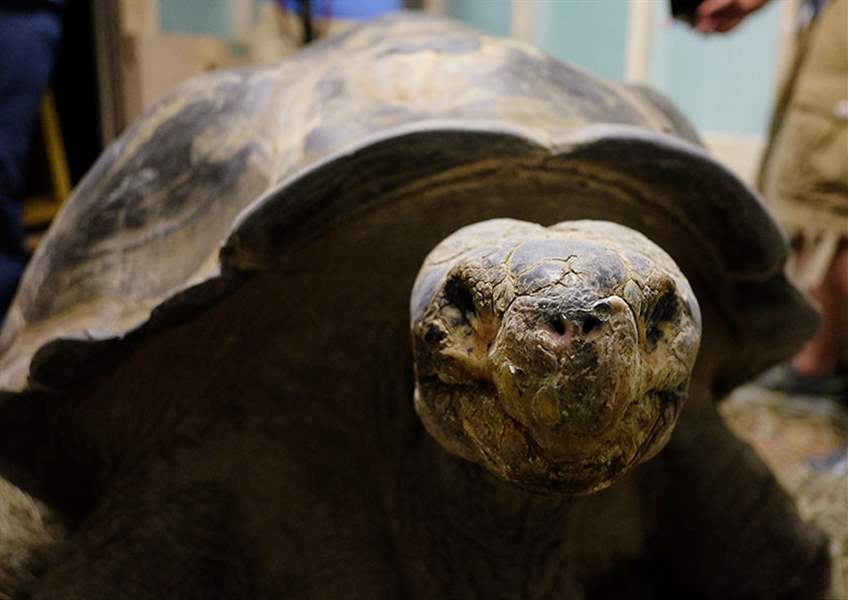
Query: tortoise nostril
(558, 325)
(590, 324)
(602, 307)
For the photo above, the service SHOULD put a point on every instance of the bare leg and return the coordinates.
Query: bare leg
(821, 354)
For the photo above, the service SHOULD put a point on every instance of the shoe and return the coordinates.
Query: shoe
(784, 378)
(836, 462)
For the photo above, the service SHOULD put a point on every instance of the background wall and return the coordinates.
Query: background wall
(492, 16)
(590, 34)
(723, 83)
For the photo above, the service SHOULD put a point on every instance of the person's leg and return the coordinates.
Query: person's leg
(28, 40)
(820, 356)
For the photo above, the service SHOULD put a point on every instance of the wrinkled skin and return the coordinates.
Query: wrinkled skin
(291, 477)
(256, 437)
(557, 358)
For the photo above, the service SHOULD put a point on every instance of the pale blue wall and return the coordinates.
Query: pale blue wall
(588, 33)
(491, 16)
(721, 82)
(199, 17)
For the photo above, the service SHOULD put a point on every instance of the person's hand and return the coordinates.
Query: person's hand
(720, 16)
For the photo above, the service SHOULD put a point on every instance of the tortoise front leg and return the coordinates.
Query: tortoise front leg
(34, 520)
(232, 517)
(31, 535)
(727, 528)
(154, 539)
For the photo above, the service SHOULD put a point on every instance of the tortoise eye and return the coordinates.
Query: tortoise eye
(664, 310)
(457, 294)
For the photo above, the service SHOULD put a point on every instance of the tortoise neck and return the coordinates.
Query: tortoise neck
(470, 531)
(491, 509)
(714, 343)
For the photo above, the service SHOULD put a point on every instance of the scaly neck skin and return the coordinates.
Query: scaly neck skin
(467, 534)
(714, 344)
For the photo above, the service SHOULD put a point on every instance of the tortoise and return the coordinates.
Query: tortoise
(227, 374)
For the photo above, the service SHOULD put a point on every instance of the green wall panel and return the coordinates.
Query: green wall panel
(722, 82)
(199, 17)
(589, 33)
(491, 16)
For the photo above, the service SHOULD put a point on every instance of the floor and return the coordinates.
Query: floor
(804, 439)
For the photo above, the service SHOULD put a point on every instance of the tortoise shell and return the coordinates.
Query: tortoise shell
(389, 136)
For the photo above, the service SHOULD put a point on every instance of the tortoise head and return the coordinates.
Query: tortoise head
(558, 358)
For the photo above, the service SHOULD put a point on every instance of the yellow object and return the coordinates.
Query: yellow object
(59, 173)
(40, 211)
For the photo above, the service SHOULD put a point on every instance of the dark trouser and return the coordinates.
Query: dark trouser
(28, 39)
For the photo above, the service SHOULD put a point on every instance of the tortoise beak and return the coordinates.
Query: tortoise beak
(564, 370)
